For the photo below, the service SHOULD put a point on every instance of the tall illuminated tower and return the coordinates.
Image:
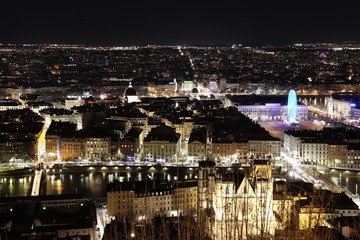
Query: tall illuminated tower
(291, 108)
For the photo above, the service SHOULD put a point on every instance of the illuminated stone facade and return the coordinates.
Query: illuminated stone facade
(241, 203)
(147, 199)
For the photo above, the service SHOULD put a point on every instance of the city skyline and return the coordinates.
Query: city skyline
(230, 142)
(140, 23)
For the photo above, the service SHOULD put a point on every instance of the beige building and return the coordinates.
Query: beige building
(164, 88)
(223, 150)
(292, 144)
(73, 102)
(337, 154)
(242, 152)
(196, 146)
(264, 149)
(90, 144)
(185, 198)
(318, 212)
(283, 208)
(147, 199)
(314, 152)
(353, 158)
(197, 150)
(161, 145)
(97, 148)
(311, 216)
(51, 147)
(70, 148)
(184, 128)
(329, 147)
(61, 115)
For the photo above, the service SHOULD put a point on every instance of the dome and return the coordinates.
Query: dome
(130, 91)
(195, 90)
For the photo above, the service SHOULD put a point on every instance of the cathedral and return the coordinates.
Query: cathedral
(237, 205)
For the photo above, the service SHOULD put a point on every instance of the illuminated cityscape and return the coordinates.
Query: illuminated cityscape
(183, 120)
(177, 141)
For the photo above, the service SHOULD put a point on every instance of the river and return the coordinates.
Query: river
(92, 182)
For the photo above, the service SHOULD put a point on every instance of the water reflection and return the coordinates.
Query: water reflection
(15, 186)
(344, 179)
(92, 183)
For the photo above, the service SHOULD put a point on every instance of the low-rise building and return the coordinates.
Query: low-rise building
(353, 157)
(91, 144)
(242, 151)
(54, 138)
(197, 145)
(163, 87)
(222, 150)
(337, 154)
(162, 145)
(330, 147)
(60, 115)
(337, 108)
(147, 199)
(265, 148)
(20, 140)
(9, 104)
(314, 152)
(271, 112)
(55, 217)
(130, 144)
(317, 209)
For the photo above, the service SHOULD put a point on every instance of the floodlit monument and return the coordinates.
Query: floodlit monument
(291, 116)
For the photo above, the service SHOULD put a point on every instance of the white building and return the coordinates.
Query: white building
(9, 104)
(292, 145)
(264, 149)
(337, 108)
(187, 86)
(271, 112)
(130, 94)
(73, 102)
(61, 115)
(314, 152)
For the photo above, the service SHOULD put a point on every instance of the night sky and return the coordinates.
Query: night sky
(125, 22)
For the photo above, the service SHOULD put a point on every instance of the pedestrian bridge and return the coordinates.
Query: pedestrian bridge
(35, 190)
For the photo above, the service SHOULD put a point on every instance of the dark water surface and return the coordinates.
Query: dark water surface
(92, 182)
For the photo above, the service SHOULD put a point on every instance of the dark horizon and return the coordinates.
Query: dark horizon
(184, 45)
(179, 23)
